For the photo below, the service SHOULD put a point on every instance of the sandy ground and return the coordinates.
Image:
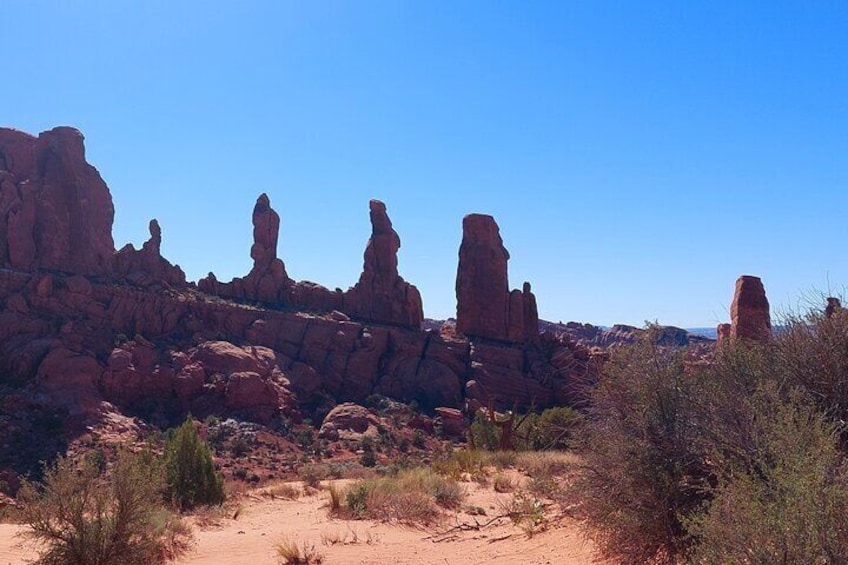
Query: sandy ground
(262, 523)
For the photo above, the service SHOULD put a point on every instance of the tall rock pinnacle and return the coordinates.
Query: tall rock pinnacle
(484, 305)
(749, 311)
(381, 295)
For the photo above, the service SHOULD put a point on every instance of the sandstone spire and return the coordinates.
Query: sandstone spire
(749, 311)
(381, 295)
(485, 307)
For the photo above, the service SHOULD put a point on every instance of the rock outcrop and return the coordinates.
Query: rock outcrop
(381, 295)
(749, 311)
(55, 210)
(83, 327)
(484, 305)
(267, 281)
(146, 267)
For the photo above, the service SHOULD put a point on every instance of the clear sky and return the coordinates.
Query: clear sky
(638, 156)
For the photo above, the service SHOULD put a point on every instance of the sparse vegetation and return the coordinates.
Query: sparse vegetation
(413, 496)
(290, 553)
(83, 517)
(737, 461)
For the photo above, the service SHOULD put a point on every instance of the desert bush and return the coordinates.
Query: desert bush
(813, 350)
(312, 475)
(643, 472)
(553, 428)
(784, 503)
(290, 553)
(190, 473)
(737, 461)
(83, 517)
(503, 483)
(483, 433)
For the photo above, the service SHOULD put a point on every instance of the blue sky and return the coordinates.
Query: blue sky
(637, 156)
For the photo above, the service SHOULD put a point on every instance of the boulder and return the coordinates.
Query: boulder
(349, 421)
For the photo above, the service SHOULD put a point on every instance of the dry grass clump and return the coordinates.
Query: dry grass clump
(414, 496)
(503, 483)
(286, 491)
(546, 463)
(464, 464)
(290, 553)
(312, 475)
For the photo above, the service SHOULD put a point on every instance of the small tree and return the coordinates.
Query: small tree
(86, 518)
(189, 470)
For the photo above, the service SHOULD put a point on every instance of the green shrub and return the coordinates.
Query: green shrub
(189, 470)
(82, 517)
(735, 461)
(787, 501)
(483, 433)
(643, 471)
(555, 427)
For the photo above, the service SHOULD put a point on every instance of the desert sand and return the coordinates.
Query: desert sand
(263, 522)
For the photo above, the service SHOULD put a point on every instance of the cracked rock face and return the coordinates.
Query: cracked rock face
(55, 210)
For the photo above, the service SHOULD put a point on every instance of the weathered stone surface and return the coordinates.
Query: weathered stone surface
(55, 210)
(453, 422)
(349, 421)
(749, 311)
(146, 267)
(381, 295)
(484, 305)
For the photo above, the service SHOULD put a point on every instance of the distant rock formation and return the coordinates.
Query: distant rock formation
(749, 311)
(267, 281)
(82, 325)
(833, 306)
(55, 210)
(723, 332)
(147, 267)
(484, 305)
(381, 295)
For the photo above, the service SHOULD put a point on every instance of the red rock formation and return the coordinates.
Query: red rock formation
(833, 306)
(147, 267)
(267, 281)
(381, 295)
(484, 306)
(55, 210)
(723, 332)
(183, 350)
(749, 311)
